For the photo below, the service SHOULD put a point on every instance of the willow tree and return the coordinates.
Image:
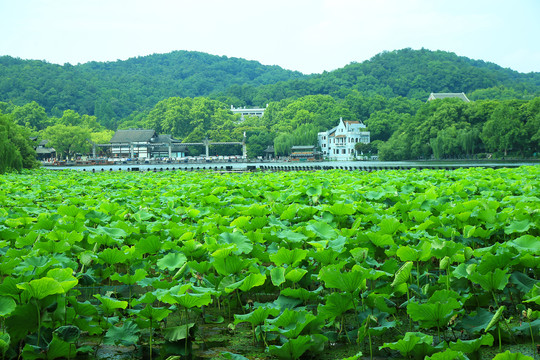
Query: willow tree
(16, 151)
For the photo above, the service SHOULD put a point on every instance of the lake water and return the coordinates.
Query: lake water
(295, 165)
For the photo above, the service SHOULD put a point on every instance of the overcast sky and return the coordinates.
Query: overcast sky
(310, 36)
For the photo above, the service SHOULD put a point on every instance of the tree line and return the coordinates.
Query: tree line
(401, 128)
(68, 105)
(124, 90)
(451, 128)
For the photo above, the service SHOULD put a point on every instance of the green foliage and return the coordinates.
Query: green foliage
(16, 151)
(188, 95)
(413, 343)
(68, 140)
(304, 258)
(507, 355)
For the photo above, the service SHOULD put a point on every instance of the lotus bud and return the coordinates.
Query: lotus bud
(445, 262)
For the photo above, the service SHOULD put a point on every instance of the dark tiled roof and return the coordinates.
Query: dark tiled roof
(42, 150)
(303, 147)
(127, 136)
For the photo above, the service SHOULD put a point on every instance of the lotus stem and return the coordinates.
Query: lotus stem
(355, 311)
(499, 333)
(495, 298)
(408, 299)
(187, 332)
(370, 346)
(418, 274)
(39, 322)
(150, 341)
(532, 337)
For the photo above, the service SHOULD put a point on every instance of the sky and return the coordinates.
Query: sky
(310, 36)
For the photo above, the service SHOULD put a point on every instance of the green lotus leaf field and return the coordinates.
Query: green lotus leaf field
(271, 265)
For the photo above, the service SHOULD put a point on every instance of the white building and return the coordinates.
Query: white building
(259, 112)
(338, 143)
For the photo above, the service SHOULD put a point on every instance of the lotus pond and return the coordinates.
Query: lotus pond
(428, 264)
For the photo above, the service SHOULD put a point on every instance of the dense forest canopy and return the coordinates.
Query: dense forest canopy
(189, 94)
(113, 91)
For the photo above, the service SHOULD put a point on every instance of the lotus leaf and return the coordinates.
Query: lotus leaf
(335, 305)
(242, 243)
(293, 323)
(68, 333)
(403, 274)
(150, 312)
(4, 343)
(41, 288)
(507, 355)
(256, 317)
(349, 281)
(64, 277)
(126, 334)
(410, 341)
(492, 280)
(295, 275)
(171, 261)
(527, 243)
(322, 230)
(109, 304)
(292, 349)
(177, 333)
(448, 354)
(288, 257)
(7, 305)
(277, 275)
(471, 346)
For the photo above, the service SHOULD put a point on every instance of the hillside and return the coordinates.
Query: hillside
(113, 91)
(413, 74)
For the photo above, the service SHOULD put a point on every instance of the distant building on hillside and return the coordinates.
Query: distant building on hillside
(259, 112)
(339, 143)
(144, 144)
(437, 96)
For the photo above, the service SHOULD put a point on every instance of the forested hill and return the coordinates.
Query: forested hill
(117, 89)
(413, 74)
(113, 91)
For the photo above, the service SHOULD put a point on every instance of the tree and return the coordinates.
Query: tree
(364, 149)
(257, 143)
(16, 151)
(67, 140)
(504, 130)
(31, 116)
(70, 118)
(382, 124)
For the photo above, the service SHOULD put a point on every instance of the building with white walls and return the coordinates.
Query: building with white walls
(339, 143)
